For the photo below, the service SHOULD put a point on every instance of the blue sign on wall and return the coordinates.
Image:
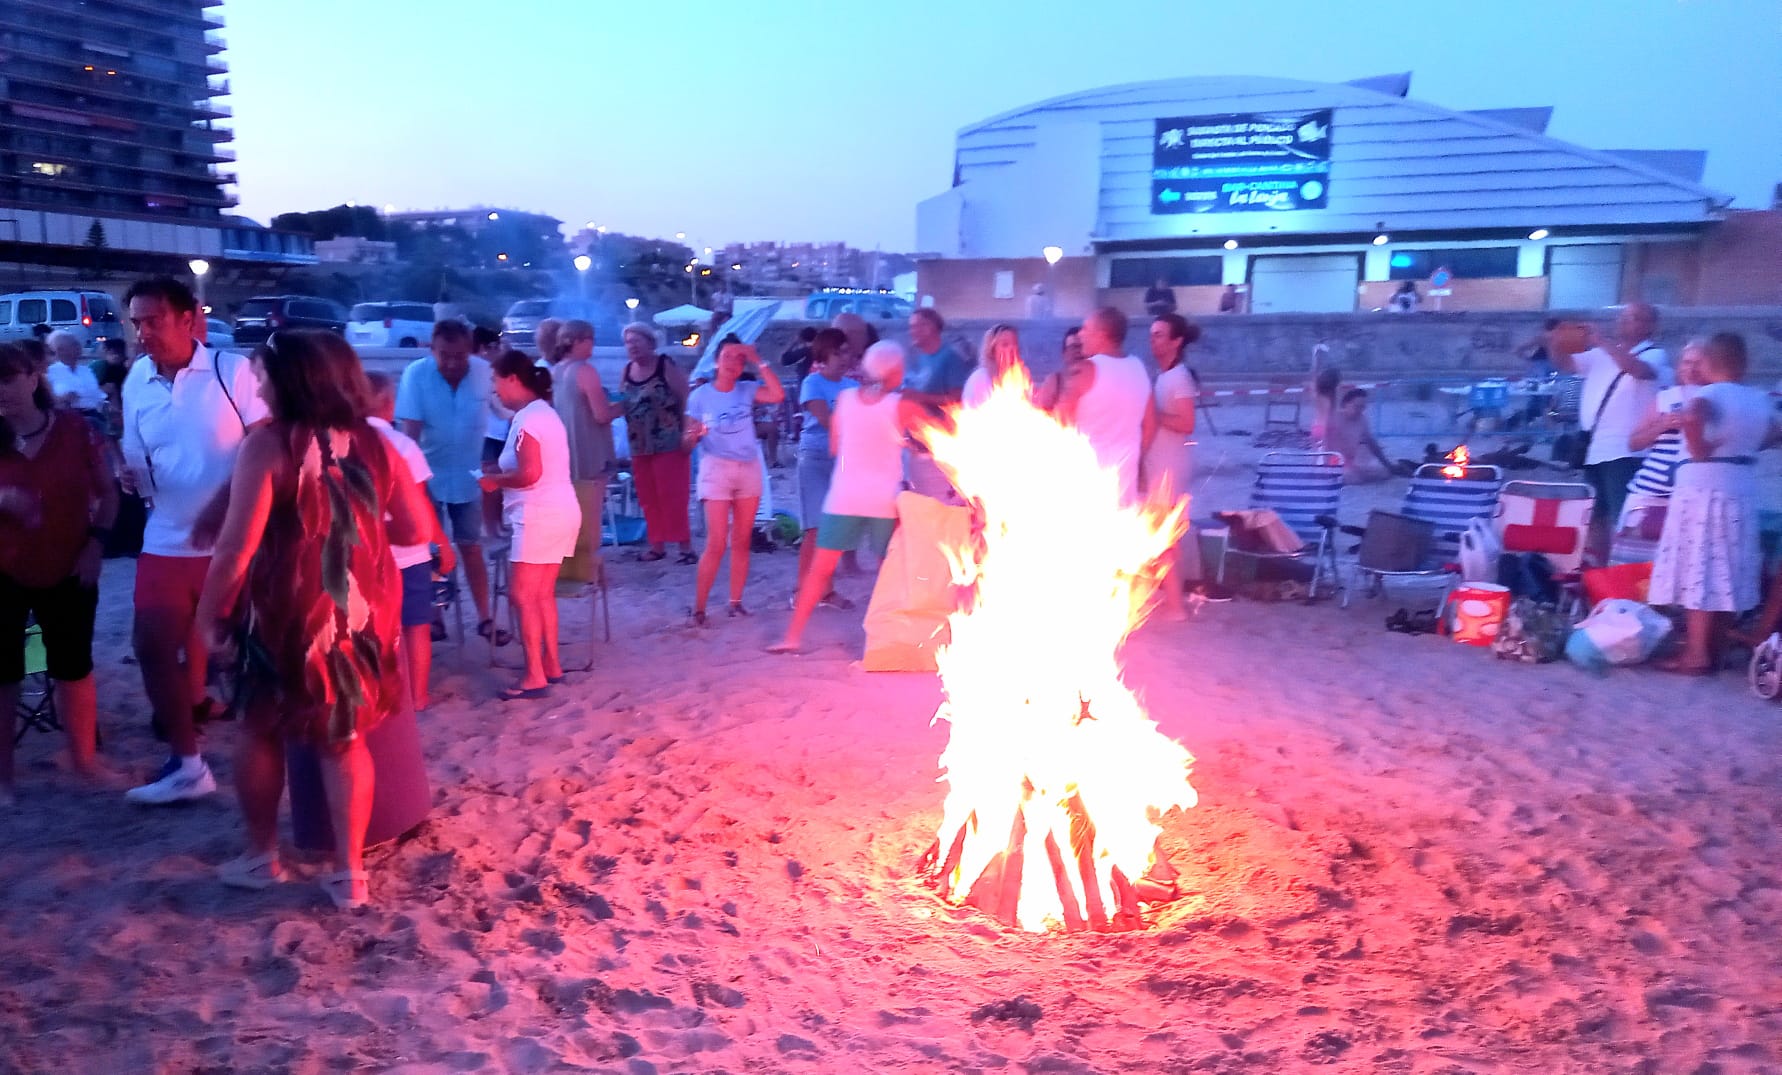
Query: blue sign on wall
(1241, 163)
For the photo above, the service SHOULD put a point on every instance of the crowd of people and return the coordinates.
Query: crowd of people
(305, 517)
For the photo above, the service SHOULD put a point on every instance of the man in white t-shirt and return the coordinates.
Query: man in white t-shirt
(70, 381)
(186, 411)
(1107, 396)
(414, 561)
(1622, 377)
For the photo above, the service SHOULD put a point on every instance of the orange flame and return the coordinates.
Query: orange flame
(1457, 463)
(1047, 744)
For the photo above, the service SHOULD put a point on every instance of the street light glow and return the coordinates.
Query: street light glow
(494, 216)
(501, 257)
(1054, 254)
(1231, 244)
(630, 304)
(198, 266)
(1382, 239)
(583, 262)
(1538, 234)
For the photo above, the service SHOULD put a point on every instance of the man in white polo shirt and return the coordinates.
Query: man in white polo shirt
(186, 411)
(1622, 378)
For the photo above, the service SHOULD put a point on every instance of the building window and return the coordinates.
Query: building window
(1004, 287)
(1471, 263)
(1175, 272)
(47, 168)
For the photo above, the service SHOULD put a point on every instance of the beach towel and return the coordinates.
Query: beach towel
(907, 618)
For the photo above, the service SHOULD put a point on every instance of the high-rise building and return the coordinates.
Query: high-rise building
(109, 135)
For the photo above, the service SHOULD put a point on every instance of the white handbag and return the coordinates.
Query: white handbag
(1479, 550)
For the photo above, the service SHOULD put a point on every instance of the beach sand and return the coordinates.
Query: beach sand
(1407, 857)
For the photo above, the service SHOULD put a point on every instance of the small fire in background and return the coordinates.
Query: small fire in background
(1057, 777)
(1456, 467)
(691, 339)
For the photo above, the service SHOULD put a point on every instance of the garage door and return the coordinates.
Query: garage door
(1583, 277)
(1304, 283)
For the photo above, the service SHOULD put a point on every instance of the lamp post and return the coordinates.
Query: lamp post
(693, 282)
(582, 264)
(200, 269)
(631, 307)
(1053, 254)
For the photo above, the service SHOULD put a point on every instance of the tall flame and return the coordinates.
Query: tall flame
(1050, 756)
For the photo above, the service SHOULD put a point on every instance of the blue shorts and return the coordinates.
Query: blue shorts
(814, 473)
(842, 533)
(417, 595)
(463, 521)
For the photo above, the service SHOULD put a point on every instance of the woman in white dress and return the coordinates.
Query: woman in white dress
(1708, 558)
(540, 508)
(1169, 458)
(1001, 352)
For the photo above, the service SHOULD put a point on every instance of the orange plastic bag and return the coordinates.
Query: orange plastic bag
(1627, 582)
(907, 619)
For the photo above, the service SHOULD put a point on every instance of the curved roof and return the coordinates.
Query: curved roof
(1396, 162)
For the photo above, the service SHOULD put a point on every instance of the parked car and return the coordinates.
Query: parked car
(872, 305)
(262, 315)
(520, 327)
(90, 315)
(218, 335)
(390, 324)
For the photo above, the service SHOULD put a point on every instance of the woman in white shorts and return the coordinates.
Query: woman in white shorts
(540, 508)
(866, 434)
(721, 421)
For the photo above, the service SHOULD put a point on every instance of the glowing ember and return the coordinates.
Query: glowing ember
(1456, 467)
(1056, 776)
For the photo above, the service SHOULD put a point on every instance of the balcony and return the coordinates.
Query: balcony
(212, 111)
(215, 43)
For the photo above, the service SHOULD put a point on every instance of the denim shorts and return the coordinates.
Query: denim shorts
(465, 521)
(814, 473)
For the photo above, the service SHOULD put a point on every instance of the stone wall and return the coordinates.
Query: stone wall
(1278, 347)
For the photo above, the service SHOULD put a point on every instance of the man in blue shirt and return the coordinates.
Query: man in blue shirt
(443, 403)
(935, 377)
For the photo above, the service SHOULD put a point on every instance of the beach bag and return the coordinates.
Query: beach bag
(1473, 612)
(1629, 582)
(1617, 632)
(1479, 550)
(1260, 530)
(1533, 633)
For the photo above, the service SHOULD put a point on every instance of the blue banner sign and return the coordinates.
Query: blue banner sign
(1241, 163)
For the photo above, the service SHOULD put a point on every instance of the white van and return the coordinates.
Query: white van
(90, 315)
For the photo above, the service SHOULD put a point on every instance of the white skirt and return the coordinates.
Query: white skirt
(1708, 556)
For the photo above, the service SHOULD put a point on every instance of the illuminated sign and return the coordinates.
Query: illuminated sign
(1241, 163)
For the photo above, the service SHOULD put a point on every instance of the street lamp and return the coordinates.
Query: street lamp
(631, 307)
(693, 282)
(1054, 254)
(582, 264)
(200, 269)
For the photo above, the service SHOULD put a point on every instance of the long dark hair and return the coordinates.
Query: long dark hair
(316, 379)
(15, 361)
(519, 365)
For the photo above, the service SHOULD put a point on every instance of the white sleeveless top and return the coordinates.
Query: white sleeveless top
(868, 457)
(1112, 416)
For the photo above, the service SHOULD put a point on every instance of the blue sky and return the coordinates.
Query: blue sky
(795, 120)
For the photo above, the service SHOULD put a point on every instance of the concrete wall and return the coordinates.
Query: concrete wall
(1487, 293)
(1278, 347)
(967, 288)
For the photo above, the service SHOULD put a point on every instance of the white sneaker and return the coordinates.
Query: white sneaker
(177, 783)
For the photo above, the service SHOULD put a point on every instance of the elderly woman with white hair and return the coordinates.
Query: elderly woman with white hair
(866, 435)
(70, 380)
(655, 392)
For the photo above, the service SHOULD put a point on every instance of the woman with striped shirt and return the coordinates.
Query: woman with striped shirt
(1649, 491)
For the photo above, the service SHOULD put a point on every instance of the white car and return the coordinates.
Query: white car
(390, 324)
(219, 334)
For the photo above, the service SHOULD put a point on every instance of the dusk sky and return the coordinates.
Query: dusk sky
(817, 121)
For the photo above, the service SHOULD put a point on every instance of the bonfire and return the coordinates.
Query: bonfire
(1457, 461)
(1057, 778)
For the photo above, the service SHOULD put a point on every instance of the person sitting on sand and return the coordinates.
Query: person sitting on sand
(57, 504)
(721, 420)
(304, 556)
(541, 510)
(1349, 433)
(866, 434)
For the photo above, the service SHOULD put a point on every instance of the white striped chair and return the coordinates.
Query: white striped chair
(1304, 489)
(1449, 504)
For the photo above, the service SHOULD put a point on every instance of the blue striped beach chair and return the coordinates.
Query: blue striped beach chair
(1448, 504)
(1304, 489)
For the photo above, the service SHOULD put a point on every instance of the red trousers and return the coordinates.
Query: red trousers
(663, 481)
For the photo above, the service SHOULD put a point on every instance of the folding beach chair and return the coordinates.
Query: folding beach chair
(1550, 518)
(37, 695)
(593, 593)
(1447, 504)
(1303, 488)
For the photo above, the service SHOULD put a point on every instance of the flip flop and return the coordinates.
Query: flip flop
(687, 558)
(519, 694)
(737, 609)
(784, 648)
(834, 600)
(253, 872)
(651, 557)
(338, 887)
(495, 636)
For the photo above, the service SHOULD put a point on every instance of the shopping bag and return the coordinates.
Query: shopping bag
(1479, 550)
(1617, 632)
(906, 621)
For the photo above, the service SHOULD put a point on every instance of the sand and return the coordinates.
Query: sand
(1408, 857)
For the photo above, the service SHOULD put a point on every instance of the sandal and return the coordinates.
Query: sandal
(518, 694)
(737, 609)
(688, 557)
(651, 556)
(835, 600)
(696, 617)
(338, 887)
(252, 871)
(495, 636)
